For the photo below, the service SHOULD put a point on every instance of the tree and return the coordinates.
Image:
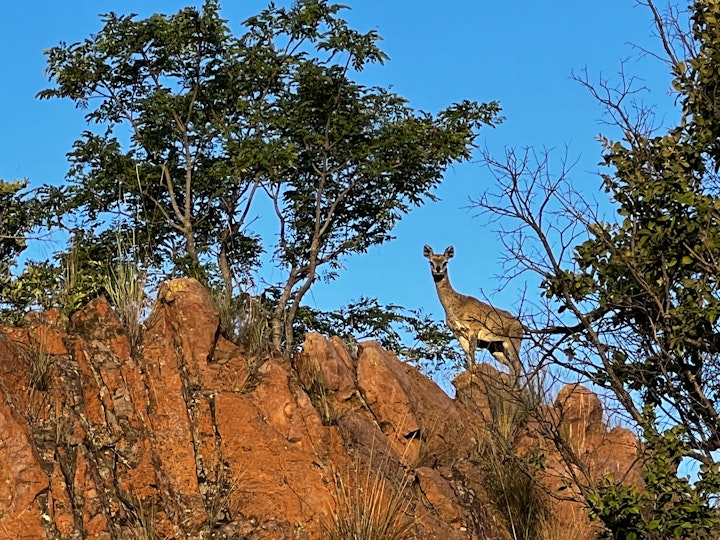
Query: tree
(633, 301)
(13, 216)
(25, 215)
(17, 219)
(217, 122)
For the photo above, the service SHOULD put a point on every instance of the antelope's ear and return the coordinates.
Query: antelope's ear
(450, 252)
(427, 251)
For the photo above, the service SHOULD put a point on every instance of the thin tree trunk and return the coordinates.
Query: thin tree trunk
(227, 279)
(279, 320)
(292, 311)
(192, 248)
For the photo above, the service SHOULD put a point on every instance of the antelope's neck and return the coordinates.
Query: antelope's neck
(445, 292)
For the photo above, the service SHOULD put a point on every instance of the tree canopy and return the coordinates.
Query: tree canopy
(195, 129)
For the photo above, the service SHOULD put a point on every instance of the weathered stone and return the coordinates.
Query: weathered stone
(60, 505)
(328, 363)
(579, 414)
(194, 320)
(98, 322)
(447, 428)
(169, 416)
(22, 477)
(46, 340)
(616, 452)
(270, 475)
(229, 370)
(482, 388)
(52, 318)
(384, 387)
(87, 490)
(440, 496)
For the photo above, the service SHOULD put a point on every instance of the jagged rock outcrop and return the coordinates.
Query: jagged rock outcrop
(188, 437)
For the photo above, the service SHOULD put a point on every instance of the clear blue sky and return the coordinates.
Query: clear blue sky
(519, 53)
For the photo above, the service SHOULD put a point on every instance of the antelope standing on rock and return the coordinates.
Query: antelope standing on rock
(475, 323)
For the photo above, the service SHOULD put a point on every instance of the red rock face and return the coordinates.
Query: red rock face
(23, 477)
(184, 438)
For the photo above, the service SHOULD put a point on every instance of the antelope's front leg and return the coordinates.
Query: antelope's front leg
(472, 341)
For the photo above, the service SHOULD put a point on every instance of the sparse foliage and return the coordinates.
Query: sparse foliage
(411, 334)
(14, 219)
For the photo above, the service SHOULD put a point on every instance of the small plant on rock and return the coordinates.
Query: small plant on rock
(125, 287)
(369, 507)
(320, 396)
(508, 473)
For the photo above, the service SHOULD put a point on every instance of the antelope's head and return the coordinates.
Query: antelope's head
(438, 263)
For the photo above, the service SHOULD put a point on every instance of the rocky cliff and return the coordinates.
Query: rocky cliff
(189, 437)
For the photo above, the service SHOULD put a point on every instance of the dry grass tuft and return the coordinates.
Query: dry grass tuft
(40, 364)
(142, 520)
(125, 286)
(577, 528)
(217, 494)
(513, 491)
(508, 474)
(369, 506)
(246, 321)
(320, 396)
